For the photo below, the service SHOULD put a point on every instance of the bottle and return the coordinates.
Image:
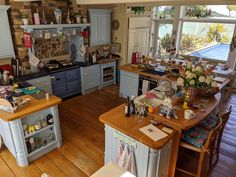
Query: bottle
(132, 105)
(127, 108)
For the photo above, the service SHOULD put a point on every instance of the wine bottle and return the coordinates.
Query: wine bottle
(127, 108)
(132, 105)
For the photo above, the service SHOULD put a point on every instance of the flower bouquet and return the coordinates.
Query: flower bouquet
(197, 79)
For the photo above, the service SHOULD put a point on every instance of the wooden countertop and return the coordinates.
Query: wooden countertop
(181, 122)
(135, 69)
(103, 61)
(131, 125)
(34, 106)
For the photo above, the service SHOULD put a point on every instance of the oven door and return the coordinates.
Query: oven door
(152, 83)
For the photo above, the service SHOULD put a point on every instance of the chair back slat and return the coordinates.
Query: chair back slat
(212, 134)
(225, 116)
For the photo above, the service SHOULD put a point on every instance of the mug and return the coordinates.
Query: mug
(189, 114)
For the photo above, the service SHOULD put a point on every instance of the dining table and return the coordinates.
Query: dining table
(208, 106)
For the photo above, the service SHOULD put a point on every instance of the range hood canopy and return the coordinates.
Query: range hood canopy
(156, 2)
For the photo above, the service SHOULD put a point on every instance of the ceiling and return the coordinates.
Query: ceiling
(155, 2)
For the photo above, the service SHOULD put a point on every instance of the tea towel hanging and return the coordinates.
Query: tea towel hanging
(119, 153)
(124, 158)
(130, 165)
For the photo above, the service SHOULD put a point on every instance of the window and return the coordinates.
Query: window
(206, 40)
(164, 38)
(203, 31)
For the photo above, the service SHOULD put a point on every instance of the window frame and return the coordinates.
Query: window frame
(178, 21)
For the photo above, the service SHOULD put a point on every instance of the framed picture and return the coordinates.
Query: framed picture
(115, 47)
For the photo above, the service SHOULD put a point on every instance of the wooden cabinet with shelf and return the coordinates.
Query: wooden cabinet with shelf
(108, 73)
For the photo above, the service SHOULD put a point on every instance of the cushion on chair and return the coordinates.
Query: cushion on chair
(210, 122)
(195, 136)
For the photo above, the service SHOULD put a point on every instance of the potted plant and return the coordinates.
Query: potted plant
(25, 19)
(197, 79)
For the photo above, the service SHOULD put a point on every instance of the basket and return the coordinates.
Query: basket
(208, 92)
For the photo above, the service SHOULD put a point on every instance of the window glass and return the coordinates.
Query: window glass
(211, 11)
(206, 40)
(164, 38)
(164, 12)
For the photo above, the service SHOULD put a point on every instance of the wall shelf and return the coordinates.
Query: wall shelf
(53, 26)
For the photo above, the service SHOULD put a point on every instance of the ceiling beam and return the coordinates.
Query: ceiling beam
(157, 2)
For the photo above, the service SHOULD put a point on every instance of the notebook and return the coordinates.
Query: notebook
(153, 132)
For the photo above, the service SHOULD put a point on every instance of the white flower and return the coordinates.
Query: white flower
(190, 75)
(193, 69)
(208, 80)
(189, 64)
(198, 68)
(202, 79)
(214, 84)
(180, 81)
(192, 82)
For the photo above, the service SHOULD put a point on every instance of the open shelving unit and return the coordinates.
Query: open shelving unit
(108, 73)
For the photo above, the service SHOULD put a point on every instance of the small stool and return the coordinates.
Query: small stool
(111, 169)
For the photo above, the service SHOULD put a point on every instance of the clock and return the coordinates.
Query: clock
(115, 24)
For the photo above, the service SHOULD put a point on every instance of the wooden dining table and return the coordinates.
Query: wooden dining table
(208, 106)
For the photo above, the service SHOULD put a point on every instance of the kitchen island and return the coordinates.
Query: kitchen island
(152, 158)
(17, 129)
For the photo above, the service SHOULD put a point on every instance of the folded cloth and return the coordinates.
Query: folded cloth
(145, 86)
(119, 153)
(133, 164)
(124, 158)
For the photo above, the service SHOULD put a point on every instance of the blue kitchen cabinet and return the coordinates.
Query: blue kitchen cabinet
(67, 83)
(100, 20)
(128, 84)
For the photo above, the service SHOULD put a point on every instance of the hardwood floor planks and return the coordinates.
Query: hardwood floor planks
(82, 152)
(69, 169)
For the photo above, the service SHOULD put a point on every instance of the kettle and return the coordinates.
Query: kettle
(5, 78)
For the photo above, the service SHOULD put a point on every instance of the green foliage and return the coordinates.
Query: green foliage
(168, 11)
(166, 41)
(188, 43)
(217, 33)
(138, 9)
(197, 11)
(231, 8)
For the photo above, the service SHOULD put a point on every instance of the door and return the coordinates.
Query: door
(142, 40)
(132, 44)
(104, 26)
(6, 45)
(95, 32)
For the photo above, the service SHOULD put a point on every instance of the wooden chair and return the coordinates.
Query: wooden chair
(203, 151)
(216, 146)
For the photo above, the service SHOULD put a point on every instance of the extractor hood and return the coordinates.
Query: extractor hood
(156, 2)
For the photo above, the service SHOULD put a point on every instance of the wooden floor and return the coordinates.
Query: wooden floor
(83, 141)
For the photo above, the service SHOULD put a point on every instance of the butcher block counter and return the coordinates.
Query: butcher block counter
(33, 130)
(34, 106)
(152, 158)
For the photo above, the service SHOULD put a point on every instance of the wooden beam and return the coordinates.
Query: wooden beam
(156, 2)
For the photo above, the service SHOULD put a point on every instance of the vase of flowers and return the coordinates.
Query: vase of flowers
(194, 78)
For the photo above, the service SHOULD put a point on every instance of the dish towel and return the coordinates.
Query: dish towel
(119, 153)
(124, 158)
(132, 163)
(145, 86)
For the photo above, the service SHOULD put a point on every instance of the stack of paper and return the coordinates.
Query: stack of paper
(153, 132)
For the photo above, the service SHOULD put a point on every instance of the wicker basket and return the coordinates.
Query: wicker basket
(208, 92)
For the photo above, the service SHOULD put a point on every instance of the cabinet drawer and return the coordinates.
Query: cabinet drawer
(60, 79)
(72, 75)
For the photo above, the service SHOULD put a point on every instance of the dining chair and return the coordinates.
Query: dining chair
(216, 146)
(199, 140)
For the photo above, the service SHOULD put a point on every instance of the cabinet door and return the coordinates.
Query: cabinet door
(91, 77)
(60, 79)
(132, 44)
(6, 46)
(73, 81)
(105, 31)
(142, 39)
(60, 91)
(95, 32)
(128, 84)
